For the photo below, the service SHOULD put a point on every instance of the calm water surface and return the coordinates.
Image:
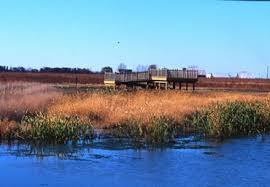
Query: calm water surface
(237, 162)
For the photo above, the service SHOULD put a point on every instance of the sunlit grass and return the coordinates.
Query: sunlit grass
(38, 112)
(110, 109)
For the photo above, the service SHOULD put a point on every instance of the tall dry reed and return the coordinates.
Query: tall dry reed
(110, 109)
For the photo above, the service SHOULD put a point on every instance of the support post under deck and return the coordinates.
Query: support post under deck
(174, 85)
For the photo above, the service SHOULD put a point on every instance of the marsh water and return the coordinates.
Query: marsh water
(189, 162)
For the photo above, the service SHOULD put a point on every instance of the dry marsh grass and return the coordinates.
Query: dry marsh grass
(32, 111)
(111, 109)
(19, 98)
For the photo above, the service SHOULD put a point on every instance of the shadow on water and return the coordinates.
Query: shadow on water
(83, 150)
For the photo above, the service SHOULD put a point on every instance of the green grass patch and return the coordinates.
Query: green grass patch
(40, 127)
(231, 119)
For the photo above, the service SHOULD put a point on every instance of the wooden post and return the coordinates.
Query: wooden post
(174, 85)
(180, 86)
(186, 85)
(76, 81)
(76, 84)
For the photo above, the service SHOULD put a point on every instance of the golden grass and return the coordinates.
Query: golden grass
(153, 115)
(105, 109)
(18, 98)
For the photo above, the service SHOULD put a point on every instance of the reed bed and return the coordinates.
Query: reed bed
(19, 99)
(110, 109)
(40, 127)
(43, 129)
(157, 117)
(31, 111)
(231, 119)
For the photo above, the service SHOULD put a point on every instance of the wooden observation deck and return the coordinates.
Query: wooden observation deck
(159, 79)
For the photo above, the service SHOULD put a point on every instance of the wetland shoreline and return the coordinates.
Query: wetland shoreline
(151, 117)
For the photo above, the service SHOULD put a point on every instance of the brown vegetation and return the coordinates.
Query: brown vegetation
(31, 111)
(18, 98)
(97, 78)
(109, 109)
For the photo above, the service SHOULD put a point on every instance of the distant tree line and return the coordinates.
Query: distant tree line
(121, 68)
(12, 69)
(64, 70)
(45, 70)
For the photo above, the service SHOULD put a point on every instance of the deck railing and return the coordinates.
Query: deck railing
(131, 77)
(182, 74)
(158, 72)
(109, 76)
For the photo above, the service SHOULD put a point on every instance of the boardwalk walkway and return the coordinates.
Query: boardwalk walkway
(159, 79)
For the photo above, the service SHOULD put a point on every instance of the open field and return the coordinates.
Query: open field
(55, 78)
(32, 111)
(260, 85)
(98, 80)
(234, 84)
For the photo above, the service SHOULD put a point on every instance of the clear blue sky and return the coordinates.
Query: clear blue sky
(218, 36)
